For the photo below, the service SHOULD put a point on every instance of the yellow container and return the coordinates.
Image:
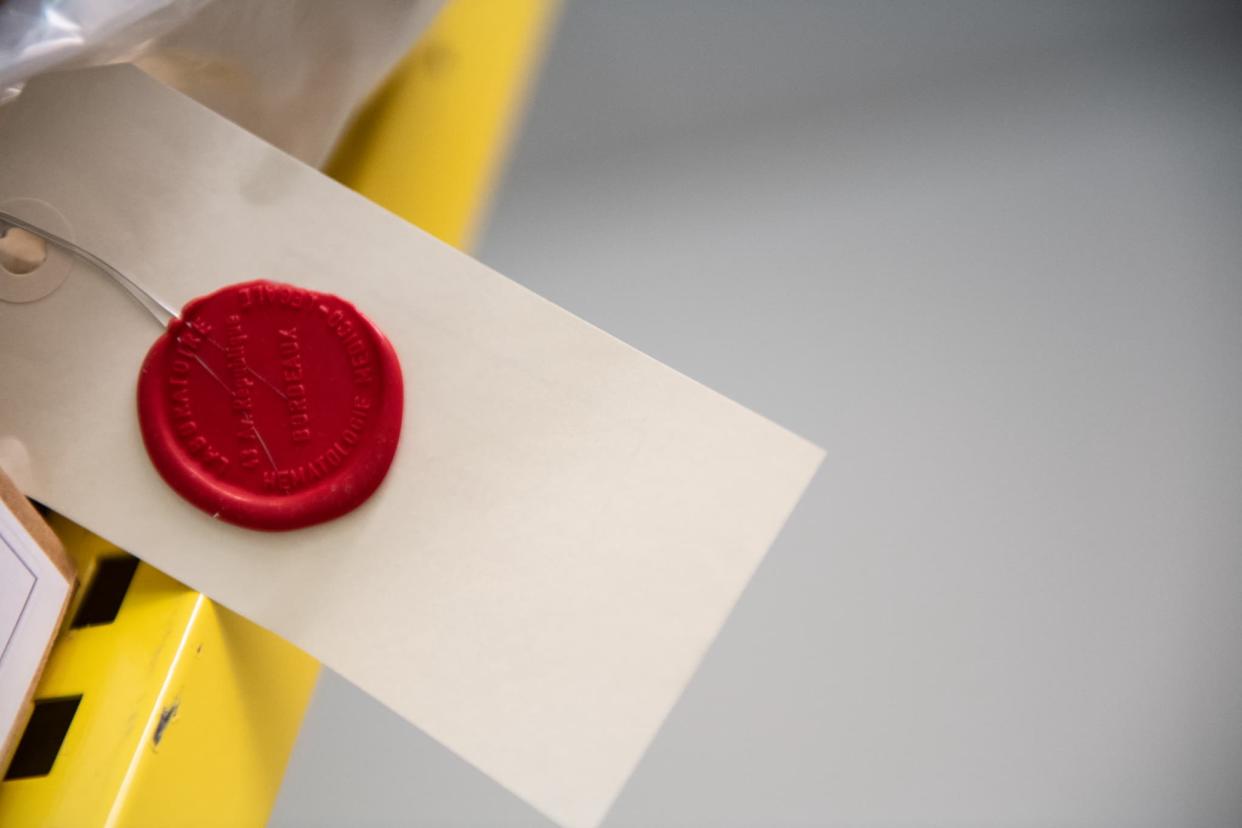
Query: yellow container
(187, 712)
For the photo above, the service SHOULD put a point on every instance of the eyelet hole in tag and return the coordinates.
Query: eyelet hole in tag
(30, 268)
(21, 253)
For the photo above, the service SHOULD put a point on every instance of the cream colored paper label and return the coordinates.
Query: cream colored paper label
(567, 522)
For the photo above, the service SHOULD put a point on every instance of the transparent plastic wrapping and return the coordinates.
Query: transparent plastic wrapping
(38, 35)
(290, 71)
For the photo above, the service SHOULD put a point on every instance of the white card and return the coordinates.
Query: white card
(34, 589)
(567, 522)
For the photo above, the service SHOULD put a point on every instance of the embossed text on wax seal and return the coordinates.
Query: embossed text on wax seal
(271, 406)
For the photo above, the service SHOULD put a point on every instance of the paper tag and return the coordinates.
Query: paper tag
(35, 581)
(566, 524)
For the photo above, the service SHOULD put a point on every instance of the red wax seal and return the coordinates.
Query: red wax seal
(271, 406)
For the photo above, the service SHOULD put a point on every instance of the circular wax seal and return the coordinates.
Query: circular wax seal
(271, 406)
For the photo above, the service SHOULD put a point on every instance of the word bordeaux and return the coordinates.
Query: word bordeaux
(271, 405)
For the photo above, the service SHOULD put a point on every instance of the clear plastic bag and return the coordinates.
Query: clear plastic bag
(38, 35)
(290, 71)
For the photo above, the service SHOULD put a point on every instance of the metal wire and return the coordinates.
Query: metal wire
(163, 313)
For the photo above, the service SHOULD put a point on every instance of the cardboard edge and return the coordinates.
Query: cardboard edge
(32, 522)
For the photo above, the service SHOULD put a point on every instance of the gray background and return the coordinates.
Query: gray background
(989, 255)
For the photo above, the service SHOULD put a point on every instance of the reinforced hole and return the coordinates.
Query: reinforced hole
(42, 738)
(106, 591)
(21, 252)
(30, 268)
